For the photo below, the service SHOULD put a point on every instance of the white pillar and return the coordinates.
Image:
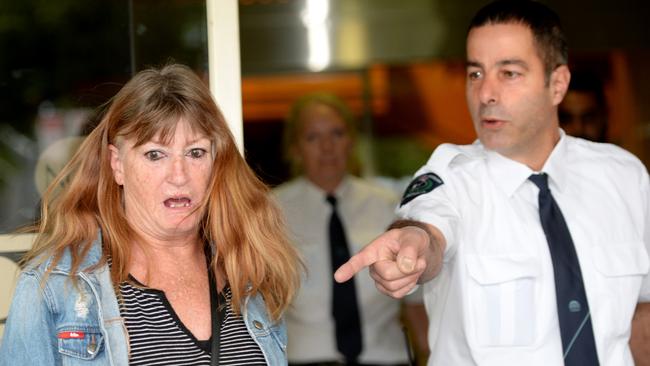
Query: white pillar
(224, 63)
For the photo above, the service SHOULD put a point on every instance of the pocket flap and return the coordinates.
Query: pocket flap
(81, 342)
(488, 270)
(621, 259)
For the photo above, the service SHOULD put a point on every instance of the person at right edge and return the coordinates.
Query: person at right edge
(583, 111)
(532, 245)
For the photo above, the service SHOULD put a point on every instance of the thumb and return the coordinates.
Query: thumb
(407, 258)
(413, 241)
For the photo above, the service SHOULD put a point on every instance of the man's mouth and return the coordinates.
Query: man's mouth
(492, 122)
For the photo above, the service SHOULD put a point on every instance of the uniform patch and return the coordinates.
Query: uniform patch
(422, 184)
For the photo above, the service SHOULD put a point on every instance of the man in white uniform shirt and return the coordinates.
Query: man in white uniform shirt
(476, 220)
(319, 138)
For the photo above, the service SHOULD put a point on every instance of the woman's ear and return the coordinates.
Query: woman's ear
(295, 155)
(559, 83)
(116, 165)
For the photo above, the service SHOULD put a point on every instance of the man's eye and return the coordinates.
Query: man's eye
(508, 74)
(153, 155)
(474, 75)
(197, 153)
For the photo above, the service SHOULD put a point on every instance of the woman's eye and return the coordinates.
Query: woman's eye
(340, 133)
(153, 155)
(311, 138)
(197, 153)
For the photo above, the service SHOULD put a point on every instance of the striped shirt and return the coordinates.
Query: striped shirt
(158, 337)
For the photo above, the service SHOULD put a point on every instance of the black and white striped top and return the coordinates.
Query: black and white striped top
(158, 337)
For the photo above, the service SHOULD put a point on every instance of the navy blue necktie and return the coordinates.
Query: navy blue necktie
(345, 309)
(572, 307)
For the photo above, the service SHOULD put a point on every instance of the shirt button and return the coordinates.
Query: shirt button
(574, 306)
(258, 325)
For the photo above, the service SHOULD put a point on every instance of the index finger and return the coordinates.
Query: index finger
(366, 257)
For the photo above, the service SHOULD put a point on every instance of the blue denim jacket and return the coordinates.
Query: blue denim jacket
(64, 325)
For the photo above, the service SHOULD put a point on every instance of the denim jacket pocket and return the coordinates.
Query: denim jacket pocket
(81, 342)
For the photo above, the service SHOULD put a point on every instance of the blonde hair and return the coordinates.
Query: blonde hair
(241, 222)
(294, 124)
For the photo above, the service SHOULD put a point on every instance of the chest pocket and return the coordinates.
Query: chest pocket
(501, 299)
(78, 344)
(622, 268)
(621, 260)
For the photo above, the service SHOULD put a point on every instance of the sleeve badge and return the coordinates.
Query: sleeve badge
(422, 184)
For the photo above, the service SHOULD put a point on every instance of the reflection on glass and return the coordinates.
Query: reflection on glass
(315, 17)
(60, 61)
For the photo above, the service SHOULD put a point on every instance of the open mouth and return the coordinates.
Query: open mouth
(178, 202)
(491, 122)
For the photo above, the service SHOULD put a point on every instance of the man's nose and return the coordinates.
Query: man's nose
(488, 91)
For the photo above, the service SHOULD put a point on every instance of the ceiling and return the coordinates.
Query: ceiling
(317, 35)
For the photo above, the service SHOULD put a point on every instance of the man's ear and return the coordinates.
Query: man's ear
(116, 165)
(559, 83)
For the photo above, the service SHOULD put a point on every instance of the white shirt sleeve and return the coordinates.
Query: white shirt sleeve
(436, 206)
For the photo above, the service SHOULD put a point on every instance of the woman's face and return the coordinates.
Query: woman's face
(323, 145)
(164, 184)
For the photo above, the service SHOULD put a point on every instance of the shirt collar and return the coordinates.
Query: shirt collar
(509, 175)
(506, 173)
(555, 165)
(339, 192)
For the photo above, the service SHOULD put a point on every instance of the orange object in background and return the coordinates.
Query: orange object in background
(269, 97)
(425, 101)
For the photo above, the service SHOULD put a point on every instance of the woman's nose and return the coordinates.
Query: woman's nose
(178, 174)
(327, 143)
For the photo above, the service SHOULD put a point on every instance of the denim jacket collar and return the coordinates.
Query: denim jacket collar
(64, 265)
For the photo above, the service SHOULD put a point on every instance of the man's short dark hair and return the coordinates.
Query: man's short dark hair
(543, 22)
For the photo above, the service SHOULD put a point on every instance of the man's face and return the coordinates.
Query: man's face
(581, 116)
(513, 108)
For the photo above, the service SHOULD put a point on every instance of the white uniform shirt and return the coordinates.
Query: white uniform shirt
(494, 301)
(366, 211)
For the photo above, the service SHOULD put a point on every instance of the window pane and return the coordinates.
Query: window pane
(60, 61)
